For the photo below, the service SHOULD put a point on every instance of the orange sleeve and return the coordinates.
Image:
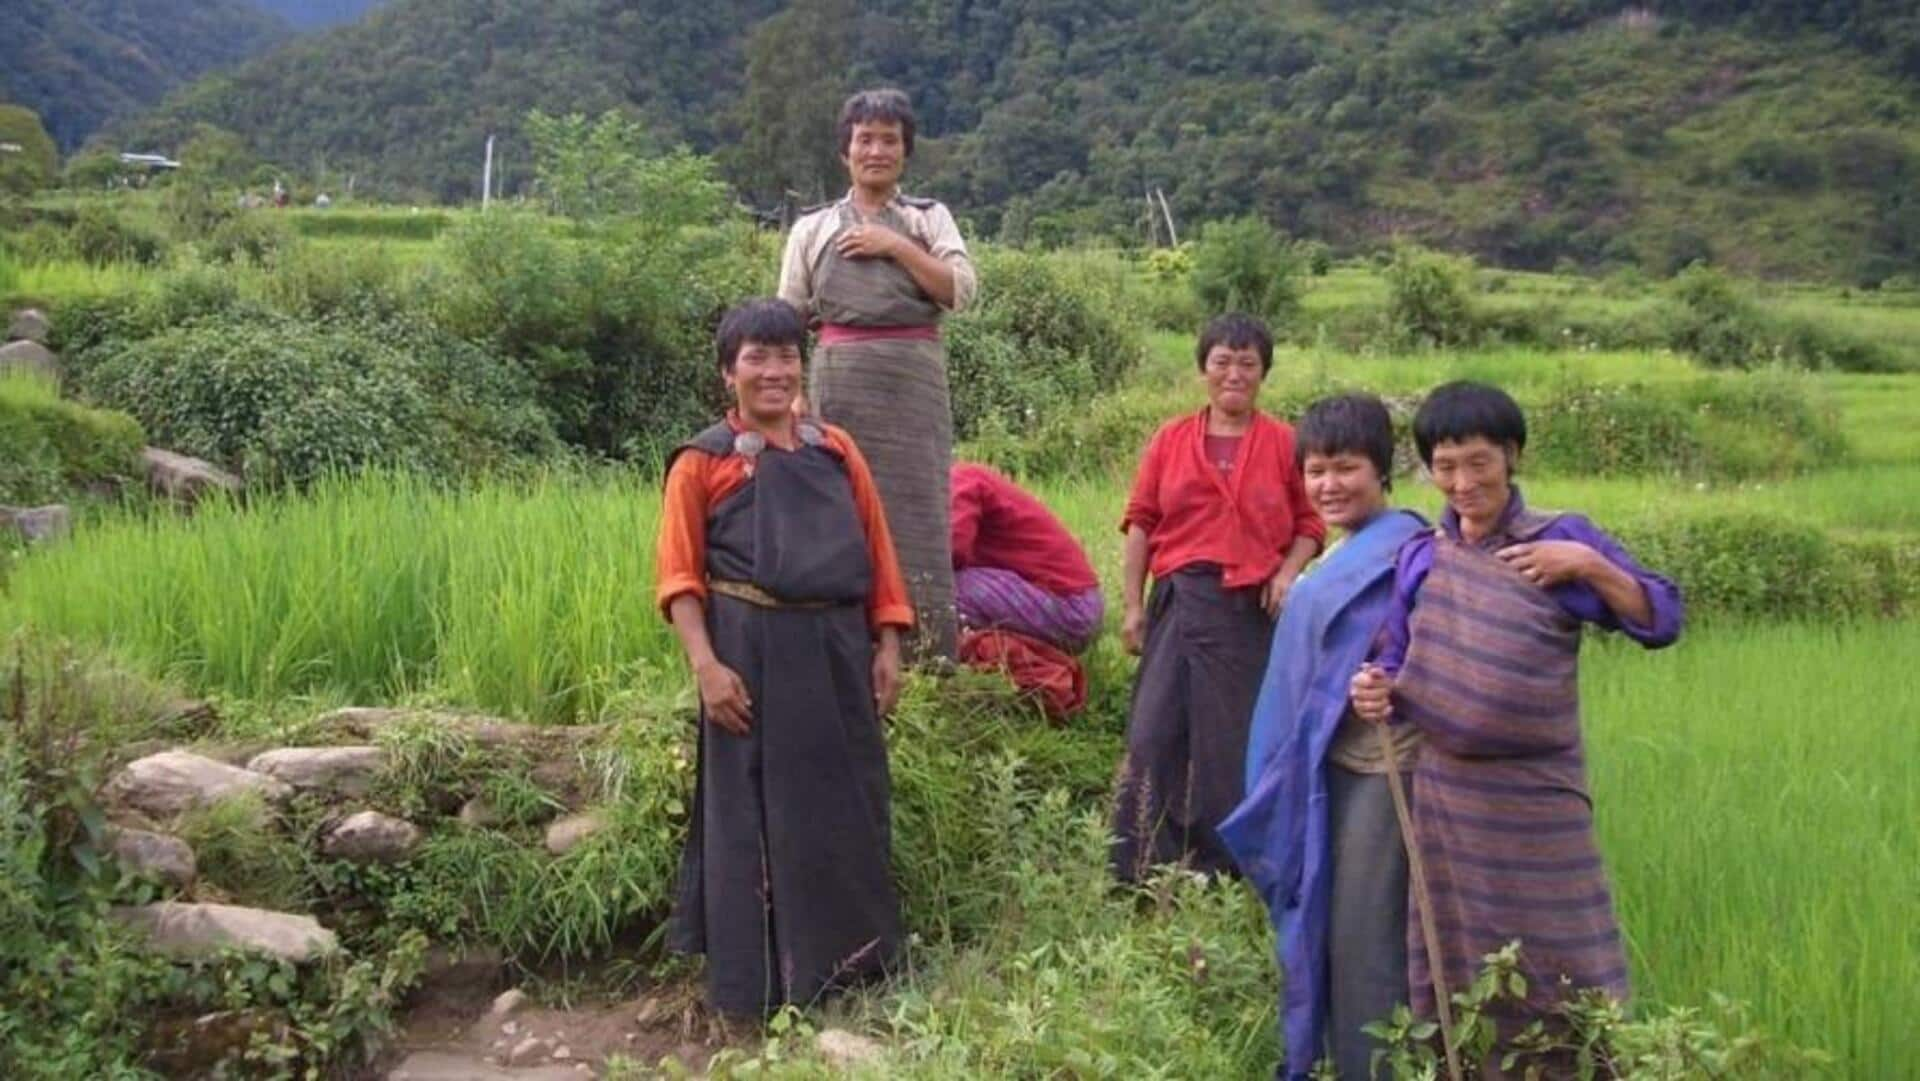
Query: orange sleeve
(680, 560)
(888, 605)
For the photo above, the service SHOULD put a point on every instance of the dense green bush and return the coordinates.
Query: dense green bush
(1048, 334)
(1244, 264)
(1710, 318)
(253, 237)
(312, 281)
(370, 224)
(1612, 431)
(1427, 298)
(48, 446)
(614, 325)
(1764, 424)
(1166, 299)
(99, 235)
(283, 400)
(1755, 566)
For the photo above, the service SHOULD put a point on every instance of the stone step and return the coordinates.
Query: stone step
(165, 784)
(190, 932)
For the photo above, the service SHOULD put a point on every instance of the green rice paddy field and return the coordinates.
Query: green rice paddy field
(1754, 784)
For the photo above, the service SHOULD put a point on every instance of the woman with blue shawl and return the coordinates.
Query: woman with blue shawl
(1316, 833)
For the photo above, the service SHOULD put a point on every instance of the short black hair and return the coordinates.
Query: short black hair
(882, 106)
(1235, 330)
(766, 320)
(1348, 424)
(1455, 412)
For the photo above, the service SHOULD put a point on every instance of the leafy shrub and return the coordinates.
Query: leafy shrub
(1316, 256)
(1612, 431)
(85, 325)
(1709, 318)
(282, 400)
(48, 445)
(1765, 424)
(1427, 298)
(1753, 566)
(1244, 264)
(357, 279)
(249, 237)
(99, 236)
(614, 326)
(1049, 333)
(1788, 164)
(415, 224)
(1167, 300)
(1756, 425)
(1677, 1044)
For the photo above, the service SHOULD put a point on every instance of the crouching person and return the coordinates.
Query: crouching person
(780, 578)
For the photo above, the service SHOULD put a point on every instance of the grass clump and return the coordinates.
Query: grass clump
(240, 852)
(49, 446)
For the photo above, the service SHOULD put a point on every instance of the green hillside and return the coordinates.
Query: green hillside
(82, 63)
(1776, 137)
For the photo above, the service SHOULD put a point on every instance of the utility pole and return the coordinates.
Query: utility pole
(1173, 234)
(486, 177)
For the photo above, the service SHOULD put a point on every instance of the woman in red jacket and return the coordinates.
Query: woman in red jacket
(1219, 516)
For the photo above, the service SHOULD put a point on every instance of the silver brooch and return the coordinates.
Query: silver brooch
(749, 444)
(811, 435)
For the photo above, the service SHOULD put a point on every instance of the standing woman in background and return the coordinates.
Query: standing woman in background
(1220, 517)
(877, 270)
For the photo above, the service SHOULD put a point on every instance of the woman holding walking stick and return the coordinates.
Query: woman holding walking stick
(1316, 835)
(1480, 653)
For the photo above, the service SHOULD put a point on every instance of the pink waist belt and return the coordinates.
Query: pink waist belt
(842, 333)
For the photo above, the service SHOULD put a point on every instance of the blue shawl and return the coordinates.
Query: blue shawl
(1278, 834)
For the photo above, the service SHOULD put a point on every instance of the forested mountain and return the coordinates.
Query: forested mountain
(81, 63)
(1776, 136)
(313, 14)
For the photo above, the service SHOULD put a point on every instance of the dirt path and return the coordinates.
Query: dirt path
(452, 1030)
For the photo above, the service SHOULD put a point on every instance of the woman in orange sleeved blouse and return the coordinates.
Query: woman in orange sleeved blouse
(780, 578)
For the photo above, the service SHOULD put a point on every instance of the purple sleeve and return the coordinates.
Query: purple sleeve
(1410, 569)
(1580, 601)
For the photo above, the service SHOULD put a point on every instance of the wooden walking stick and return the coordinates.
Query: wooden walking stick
(1422, 903)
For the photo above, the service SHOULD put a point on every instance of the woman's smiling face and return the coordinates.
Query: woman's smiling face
(765, 379)
(1476, 476)
(1344, 487)
(876, 154)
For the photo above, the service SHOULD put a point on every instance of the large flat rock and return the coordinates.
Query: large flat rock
(192, 932)
(30, 358)
(38, 525)
(29, 325)
(185, 479)
(165, 784)
(346, 771)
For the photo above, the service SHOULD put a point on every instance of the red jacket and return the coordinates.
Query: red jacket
(1245, 521)
(996, 523)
